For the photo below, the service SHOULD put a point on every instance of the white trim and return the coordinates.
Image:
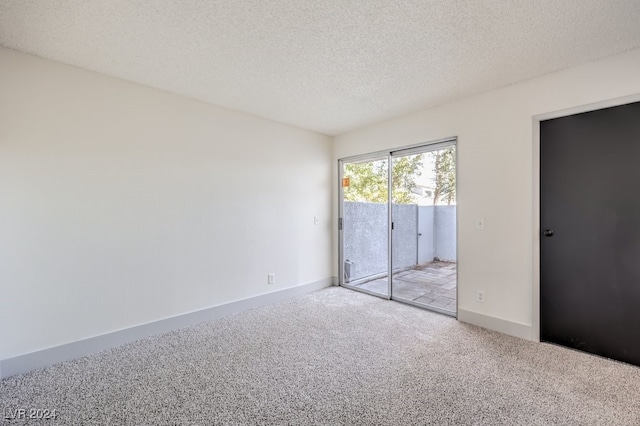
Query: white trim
(535, 327)
(588, 107)
(535, 233)
(65, 352)
(500, 325)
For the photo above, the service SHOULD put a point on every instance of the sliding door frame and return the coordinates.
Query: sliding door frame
(389, 155)
(380, 155)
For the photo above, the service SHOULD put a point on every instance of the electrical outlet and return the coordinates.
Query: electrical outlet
(480, 296)
(316, 220)
(271, 278)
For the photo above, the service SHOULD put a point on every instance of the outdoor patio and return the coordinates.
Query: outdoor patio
(432, 284)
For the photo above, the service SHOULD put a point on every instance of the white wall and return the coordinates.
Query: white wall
(495, 133)
(121, 205)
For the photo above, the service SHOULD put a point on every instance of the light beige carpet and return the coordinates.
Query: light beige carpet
(333, 357)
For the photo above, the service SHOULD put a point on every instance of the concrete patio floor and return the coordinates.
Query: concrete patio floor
(432, 285)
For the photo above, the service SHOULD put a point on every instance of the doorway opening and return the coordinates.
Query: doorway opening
(398, 230)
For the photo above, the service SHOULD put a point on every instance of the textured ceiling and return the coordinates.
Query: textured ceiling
(328, 66)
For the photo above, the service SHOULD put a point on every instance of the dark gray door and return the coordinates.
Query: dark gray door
(590, 223)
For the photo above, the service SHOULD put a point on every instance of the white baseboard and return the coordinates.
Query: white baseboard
(46, 357)
(500, 325)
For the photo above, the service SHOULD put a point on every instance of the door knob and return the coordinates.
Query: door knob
(548, 232)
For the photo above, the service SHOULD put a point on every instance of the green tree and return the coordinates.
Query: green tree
(368, 180)
(405, 172)
(445, 175)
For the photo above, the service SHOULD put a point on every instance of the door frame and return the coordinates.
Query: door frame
(379, 155)
(389, 154)
(535, 228)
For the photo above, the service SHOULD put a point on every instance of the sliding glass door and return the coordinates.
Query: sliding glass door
(398, 229)
(365, 225)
